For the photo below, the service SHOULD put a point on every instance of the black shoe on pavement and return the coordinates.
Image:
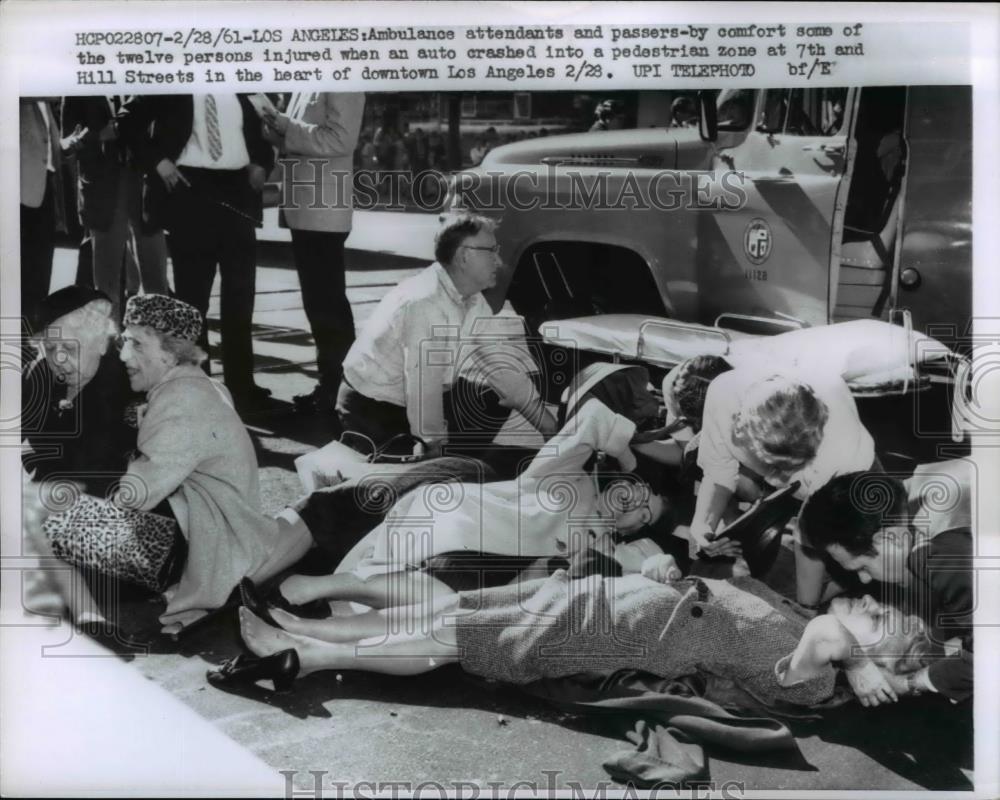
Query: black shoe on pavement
(255, 401)
(281, 667)
(318, 401)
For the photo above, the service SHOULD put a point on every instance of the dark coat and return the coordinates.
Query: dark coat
(99, 164)
(944, 571)
(90, 442)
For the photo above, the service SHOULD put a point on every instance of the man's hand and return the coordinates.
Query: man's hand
(275, 120)
(108, 133)
(171, 176)
(256, 176)
(74, 141)
(432, 449)
(708, 545)
(870, 684)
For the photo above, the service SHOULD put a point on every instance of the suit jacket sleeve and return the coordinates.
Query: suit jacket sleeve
(337, 135)
(258, 148)
(946, 566)
(133, 120)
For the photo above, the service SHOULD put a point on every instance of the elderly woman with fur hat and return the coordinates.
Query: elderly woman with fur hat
(194, 453)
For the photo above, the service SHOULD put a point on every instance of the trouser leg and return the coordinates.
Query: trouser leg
(37, 249)
(109, 250)
(319, 259)
(193, 254)
(237, 264)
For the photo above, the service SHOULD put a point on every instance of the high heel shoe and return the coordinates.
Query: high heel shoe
(281, 667)
(252, 599)
(254, 603)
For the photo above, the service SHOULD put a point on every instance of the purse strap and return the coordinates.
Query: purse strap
(380, 453)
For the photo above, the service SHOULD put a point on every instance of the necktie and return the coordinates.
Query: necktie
(212, 128)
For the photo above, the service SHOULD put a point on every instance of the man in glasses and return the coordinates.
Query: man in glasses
(434, 360)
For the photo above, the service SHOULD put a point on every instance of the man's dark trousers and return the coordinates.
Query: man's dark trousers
(205, 233)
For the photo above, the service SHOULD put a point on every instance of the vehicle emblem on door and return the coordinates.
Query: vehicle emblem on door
(757, 241)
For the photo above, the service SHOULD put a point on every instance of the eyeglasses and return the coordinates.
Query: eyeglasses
(495, 249)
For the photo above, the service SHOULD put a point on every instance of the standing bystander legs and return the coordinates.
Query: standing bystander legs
(317, 138)
(206, 161)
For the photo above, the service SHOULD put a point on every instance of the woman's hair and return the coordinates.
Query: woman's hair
(691, 385)
(905, 646)
(184, 350)
(455, 231)
(781, 422)
(93, 318)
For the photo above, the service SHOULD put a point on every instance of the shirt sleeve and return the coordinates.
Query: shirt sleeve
(716, 455)
(336, 135)
(426, 368)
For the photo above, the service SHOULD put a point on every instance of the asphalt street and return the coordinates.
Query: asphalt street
(445, 727)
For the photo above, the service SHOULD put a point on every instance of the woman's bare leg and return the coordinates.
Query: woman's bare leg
(410, 654)
(293, 542)
(370, 624)
(379, 591)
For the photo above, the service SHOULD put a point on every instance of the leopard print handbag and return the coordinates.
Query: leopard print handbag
(134, 546)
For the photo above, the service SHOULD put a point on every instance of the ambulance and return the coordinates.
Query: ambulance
(780, 210)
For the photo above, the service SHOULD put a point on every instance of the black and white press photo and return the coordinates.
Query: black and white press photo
(477, 400)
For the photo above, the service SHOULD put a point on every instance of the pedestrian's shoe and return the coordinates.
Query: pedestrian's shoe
(318, 401)
(254, 603)
(282, 668)
(254, 600)
(256, 400)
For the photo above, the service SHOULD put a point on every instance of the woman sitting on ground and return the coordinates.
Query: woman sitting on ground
(737, 630)
(77, 411)
(195, 471)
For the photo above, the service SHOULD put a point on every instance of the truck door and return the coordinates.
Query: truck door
(771, 257)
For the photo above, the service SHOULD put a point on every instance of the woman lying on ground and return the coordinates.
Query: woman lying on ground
(553, 509)
(737, 630)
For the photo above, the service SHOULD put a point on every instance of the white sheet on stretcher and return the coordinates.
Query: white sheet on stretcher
(867, 353)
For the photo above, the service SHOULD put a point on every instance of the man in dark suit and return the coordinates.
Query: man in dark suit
(206, 161)
(109, 200)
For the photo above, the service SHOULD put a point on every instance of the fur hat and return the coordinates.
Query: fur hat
(164, 314)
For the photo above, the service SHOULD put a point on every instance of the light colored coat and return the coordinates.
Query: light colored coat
(540, 513)
(322, 133)
(195, 452)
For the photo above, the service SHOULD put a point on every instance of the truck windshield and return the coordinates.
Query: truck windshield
(735, 108)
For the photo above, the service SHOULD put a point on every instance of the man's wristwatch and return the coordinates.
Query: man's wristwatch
(913, 686)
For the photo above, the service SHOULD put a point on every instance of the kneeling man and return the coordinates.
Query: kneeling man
(425, 363)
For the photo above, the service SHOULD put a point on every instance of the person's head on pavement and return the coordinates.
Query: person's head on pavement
(160, 333)
(74, 330)
(466, 246)
(860, 520)
(891, 638)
